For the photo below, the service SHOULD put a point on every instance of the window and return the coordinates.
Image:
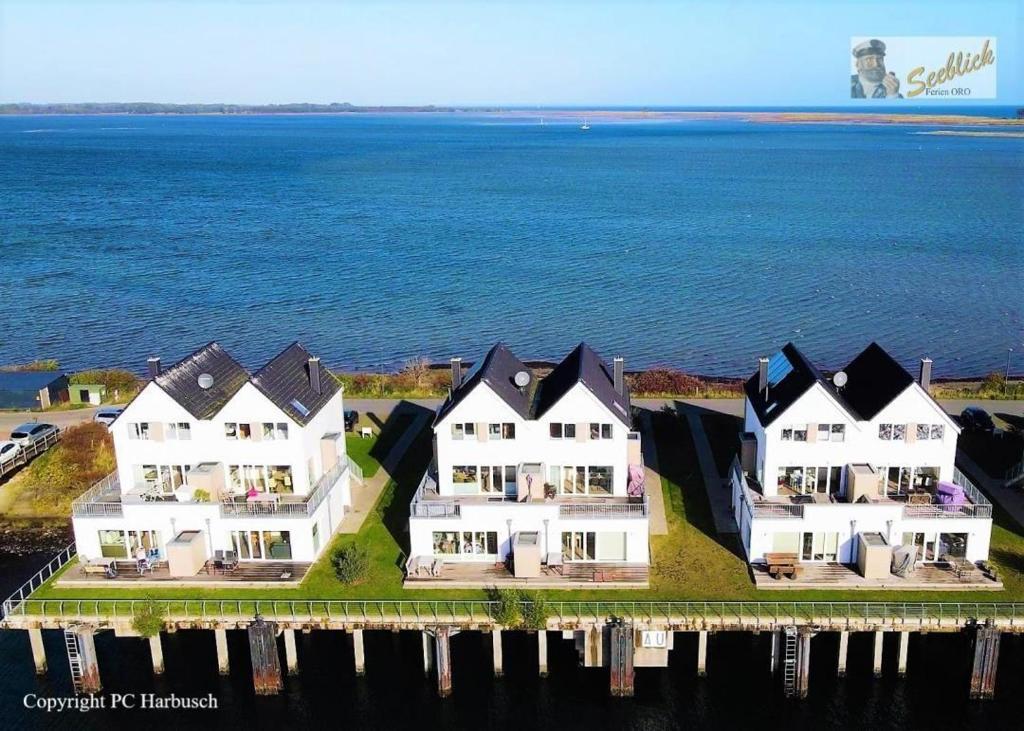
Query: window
(160, 478)
(245, 431)
(139, 430)
(819, 547)
(579, 546)
(938, 431)
(230, 430)
(464, 474)
(923, 432)
(494, 431)
(147, 540)
(892, 432)
(112, 544)
(563, 431)
(272, 431)
(463, 430)
(885, 432)
(277, 545)
(316, 537)
(600, 481)
(894, 480)
(508, 430)
(838, 432)
(787, 434)
(491, 480)
(600, 431)
(181, 430)
(466, 543)
(257, 545)
(800, 434)
(952, 545)
(261, 478)
(925, 544)
(824, 430)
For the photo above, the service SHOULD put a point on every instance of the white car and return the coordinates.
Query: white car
(107, 416)
(32, 432)
(8, 451)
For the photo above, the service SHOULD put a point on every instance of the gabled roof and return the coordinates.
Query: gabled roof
(798, 375)
(497, 370)
(181, 381)
(584, 366)
(874, 379)
(285, 381)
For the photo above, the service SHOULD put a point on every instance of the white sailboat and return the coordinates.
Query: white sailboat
(584, 126)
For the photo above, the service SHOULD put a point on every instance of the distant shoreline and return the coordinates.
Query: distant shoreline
(553, 114)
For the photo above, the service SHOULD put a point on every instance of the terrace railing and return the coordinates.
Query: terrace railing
(14, 601)
(285, 507)
(763, 508)
(103, 499)
(638, 509)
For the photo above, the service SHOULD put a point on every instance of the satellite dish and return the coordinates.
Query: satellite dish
(840, 379)
(522, 379)
(205, 381)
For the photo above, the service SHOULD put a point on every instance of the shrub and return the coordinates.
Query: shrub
(351, 563)
(148, 619)
(663, 380)
(536, 610)
(121, 384)
(201, 496)
(508, 610)
(45, 364)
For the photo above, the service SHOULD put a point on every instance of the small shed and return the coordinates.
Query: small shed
(186, 554)
(32, 389)
(87, 393)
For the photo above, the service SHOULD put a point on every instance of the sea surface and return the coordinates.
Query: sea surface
(377, 238)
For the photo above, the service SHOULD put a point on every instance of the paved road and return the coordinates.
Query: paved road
(10, 419)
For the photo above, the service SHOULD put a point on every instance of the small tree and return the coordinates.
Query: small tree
(536, 610)
(148, 619)
(508, 607)
(351, 563)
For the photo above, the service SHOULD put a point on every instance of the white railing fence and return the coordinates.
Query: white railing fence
(14, 601)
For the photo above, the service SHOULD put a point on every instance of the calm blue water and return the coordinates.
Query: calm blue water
(377, 238)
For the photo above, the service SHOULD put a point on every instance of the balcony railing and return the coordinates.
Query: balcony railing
(637, 509)
(762, 508)
(286, 507)
(103, 499)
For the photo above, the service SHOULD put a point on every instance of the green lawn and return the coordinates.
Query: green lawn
(361, 451)
(689, 563)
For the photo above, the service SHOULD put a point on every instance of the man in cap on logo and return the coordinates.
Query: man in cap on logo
(871, 81)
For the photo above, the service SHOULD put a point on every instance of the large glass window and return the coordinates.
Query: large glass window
(465, 543)
(147, 540)
(464, 474)
(139, 430)
(277, 545)
(925, 543)
(600, 481)
(819, 547)
(562, 431)
(180, 430)
(112, 544)
(952, 545)
(579, 546)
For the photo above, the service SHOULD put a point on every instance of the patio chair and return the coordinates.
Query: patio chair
(230, 561)
(435, 567)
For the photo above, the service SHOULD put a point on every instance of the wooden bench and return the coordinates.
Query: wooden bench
(783, 564)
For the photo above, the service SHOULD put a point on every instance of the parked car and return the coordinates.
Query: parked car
(107, 416)
(975, 418)
(30, 433)
(351, 417)
(8, 451)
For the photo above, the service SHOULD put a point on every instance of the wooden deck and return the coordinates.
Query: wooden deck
(466, 575)
(256, 573)
(927, 577)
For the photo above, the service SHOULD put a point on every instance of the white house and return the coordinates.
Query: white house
(255, 463)
(551, 463)
(868, 451)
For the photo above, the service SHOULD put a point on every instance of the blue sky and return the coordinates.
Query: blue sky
(788, 52)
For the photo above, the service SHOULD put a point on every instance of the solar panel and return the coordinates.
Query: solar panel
(778, 368)
(299, 407)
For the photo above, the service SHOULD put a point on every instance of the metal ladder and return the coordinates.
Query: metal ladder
(789, 662)
(74, 659)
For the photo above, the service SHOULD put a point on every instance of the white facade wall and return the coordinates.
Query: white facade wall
(208, 443)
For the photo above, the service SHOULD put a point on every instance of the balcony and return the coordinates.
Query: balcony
(919, 505)
(427, 503)
(105, 499)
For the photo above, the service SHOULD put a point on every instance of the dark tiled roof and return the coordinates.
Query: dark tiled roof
(874, 379)
(774, 400)
(181, 381)
(500, 365)
(584, 366)
(497, 370)
(285, 381)
(32, 380)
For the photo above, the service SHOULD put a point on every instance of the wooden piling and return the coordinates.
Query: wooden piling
(266, 664)
(156, 652)
(90, 668)
(877, 664)
(357, 647)
(428, 654)
(542, 653)
(844, 643)
(986, 660)
(290, 654)
(35, 638)
(702, 654)
(901, 664)
(773, 660)
(444, 661)
(622, 660)
(223, 663)
(803, 662)
(496, 652)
